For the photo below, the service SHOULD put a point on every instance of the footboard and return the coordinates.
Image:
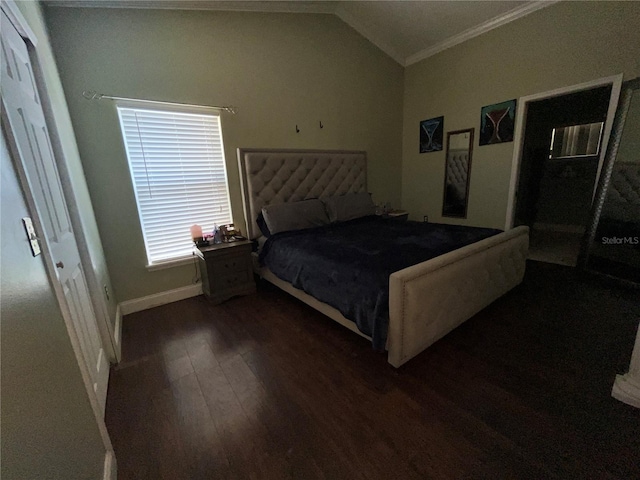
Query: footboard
(428, 300)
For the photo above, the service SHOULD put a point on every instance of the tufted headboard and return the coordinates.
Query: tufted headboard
(270, 176)
(623, 198)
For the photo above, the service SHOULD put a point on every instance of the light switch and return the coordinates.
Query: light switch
(31, 236)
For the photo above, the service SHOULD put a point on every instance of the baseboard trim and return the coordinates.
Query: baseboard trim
(626, 390)
(110, 466)
(117, 334)
(117, 325)
(162, 298)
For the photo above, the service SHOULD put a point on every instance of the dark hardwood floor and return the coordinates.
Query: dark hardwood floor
(264, 387)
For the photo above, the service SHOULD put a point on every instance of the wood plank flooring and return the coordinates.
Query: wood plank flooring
(264, 387)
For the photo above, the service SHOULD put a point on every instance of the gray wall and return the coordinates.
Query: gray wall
(561, 45)
(288, 69)
(48, 427)
(629, 149)
(278, 69)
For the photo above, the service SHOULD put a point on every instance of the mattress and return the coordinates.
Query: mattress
(347, 265)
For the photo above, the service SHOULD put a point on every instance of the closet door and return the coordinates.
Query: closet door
(23, 113)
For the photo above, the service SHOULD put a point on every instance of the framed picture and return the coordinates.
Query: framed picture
(496, 123)
(431, 134)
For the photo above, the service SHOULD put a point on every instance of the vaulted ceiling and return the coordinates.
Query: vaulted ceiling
(407, 31)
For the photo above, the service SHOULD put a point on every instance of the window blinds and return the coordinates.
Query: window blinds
(179, 176)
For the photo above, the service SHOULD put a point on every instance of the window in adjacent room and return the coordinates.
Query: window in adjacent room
(176, 159)
(576, 141)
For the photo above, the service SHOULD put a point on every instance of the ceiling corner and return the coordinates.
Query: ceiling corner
(359, 27)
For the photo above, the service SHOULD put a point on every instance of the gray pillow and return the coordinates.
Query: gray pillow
(349, 206)
(283, 217)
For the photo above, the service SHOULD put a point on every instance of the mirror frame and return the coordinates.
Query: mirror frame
(471, 132)
(628, 89)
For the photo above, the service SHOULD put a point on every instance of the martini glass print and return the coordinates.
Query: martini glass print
(496, 117)
(431, 133)
(497, 123)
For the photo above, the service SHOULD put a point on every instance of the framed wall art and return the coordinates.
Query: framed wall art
(497, 122)
(431, 135)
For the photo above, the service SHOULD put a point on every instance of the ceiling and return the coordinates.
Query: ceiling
(407, 31)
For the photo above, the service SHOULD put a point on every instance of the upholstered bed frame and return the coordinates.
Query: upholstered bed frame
(623, 198)
(427, 300)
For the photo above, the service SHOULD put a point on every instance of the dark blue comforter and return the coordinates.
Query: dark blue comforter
(347, 265)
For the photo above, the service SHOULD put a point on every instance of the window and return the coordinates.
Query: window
(176, 159)
(576, 141)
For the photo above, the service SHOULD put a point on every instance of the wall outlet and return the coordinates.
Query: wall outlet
(106, 292)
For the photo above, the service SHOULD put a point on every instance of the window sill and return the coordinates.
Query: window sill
(178, 262)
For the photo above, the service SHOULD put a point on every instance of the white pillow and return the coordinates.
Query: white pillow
(284, 217)
(349, 206)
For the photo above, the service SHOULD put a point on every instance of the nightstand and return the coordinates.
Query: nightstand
(226, 270)
(396, 215)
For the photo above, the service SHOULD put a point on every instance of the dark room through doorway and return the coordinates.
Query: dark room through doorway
(558, 172)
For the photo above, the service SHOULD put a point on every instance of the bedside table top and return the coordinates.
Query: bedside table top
(395, 213)
(218, 247)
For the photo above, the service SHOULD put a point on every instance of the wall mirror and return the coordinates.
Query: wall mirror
(457, 173)
(613, 241)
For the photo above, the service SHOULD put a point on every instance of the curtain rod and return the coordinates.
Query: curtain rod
(93, 95)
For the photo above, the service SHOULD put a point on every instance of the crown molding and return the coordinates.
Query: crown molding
(235, 6)
(350, 20)
(322, 7)
(485, 27)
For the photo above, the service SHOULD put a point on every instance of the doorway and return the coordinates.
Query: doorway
(560, 140)
(558, 171)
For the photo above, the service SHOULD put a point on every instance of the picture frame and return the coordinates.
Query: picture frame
(431, 134)
(497, 123)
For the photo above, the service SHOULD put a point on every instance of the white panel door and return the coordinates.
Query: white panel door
(22, 108)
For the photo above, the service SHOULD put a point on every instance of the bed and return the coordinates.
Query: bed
(426, 300)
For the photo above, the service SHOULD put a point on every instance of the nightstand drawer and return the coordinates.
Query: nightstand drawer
(229, 263)
(232, 280)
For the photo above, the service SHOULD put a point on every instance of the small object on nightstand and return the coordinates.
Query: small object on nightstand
(217, 238)
(196, 232)
(230, 233)
(226, 270)
(201, 242)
